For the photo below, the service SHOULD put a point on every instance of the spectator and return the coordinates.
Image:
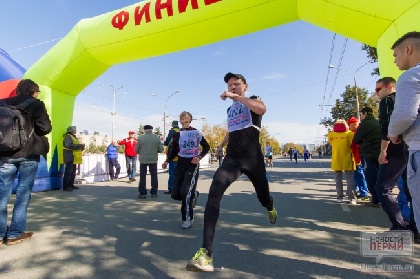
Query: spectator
(342, 160)
(173, 163)
(405, 119)
(130, 155)
(368, 136)
(148, 147)
(359, 175)
(23, 161)
(72, 155)
(112, 154)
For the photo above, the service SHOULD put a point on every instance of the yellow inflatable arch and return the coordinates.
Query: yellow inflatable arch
(158, 27)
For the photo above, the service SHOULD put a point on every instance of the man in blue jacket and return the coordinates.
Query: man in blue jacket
(112, 152)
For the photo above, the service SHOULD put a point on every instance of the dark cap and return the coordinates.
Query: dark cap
(230, 75)
(71, 129)
(367, 110)
(148, 127)
(174, 123)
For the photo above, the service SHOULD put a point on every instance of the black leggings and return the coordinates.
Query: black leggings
(184, 185)
(225, 175)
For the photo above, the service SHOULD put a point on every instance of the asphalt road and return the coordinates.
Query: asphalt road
(103, 230)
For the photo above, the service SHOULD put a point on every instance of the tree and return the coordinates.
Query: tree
(140, 130)
(157, 132)
(372, 54)
(214, 135)
(293, 145)
(346, 107)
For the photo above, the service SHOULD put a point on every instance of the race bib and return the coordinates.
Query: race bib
(239, 117)
(189, 142)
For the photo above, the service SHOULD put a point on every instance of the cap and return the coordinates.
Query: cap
(230, 75)
(352, 120)
(148, 127)
(367, 110)
(174, 123)
(131, 132)
(71, 129)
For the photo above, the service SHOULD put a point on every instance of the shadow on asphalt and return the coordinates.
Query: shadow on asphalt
(120, 236)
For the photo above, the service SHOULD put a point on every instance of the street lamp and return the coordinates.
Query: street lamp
(355, 85)
(114, 92)
(164, 111)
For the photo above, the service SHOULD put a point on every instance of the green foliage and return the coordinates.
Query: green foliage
(346, 106)
(372, 54)
(96, 149)
(157, 132)
(140, 130)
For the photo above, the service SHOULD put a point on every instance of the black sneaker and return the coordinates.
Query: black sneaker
(142, 196)
(167, 192)
(67, 189)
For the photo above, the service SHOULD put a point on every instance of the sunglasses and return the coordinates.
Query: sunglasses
(377, 89)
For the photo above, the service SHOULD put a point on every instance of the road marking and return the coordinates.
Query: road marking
(345, 207)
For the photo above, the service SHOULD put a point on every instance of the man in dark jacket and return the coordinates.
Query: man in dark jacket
(368, 136)
(172, 165)
(393, 157)
(25, 161)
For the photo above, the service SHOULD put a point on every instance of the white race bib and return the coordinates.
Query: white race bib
(239, 117)
(189, 142)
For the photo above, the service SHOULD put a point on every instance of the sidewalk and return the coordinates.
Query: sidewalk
(103, 230)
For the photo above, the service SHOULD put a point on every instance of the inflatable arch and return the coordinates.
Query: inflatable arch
(158, 27)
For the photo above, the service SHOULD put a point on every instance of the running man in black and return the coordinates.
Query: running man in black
(185, 144)
(243, 155)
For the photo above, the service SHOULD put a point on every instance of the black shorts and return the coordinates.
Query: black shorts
(269, 157)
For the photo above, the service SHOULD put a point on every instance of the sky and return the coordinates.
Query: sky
(287, 66)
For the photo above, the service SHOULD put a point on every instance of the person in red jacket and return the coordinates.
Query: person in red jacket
(130, 155)
(359, 175)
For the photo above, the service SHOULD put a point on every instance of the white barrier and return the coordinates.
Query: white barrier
(95, 166)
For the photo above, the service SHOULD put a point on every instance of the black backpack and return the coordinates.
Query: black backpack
(13, 135)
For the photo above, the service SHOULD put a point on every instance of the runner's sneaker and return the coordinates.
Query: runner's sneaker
(353, 201)
(272, 216)
(194, 203)
(187, 224)
(201, 262)
(340, 200)
(366, 198)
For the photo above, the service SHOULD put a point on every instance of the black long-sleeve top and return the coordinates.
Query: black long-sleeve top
(386, 107)
(174, 150)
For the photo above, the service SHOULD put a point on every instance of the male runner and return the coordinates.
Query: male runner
(243, 155)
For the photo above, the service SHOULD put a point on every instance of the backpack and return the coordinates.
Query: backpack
(13, 135)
